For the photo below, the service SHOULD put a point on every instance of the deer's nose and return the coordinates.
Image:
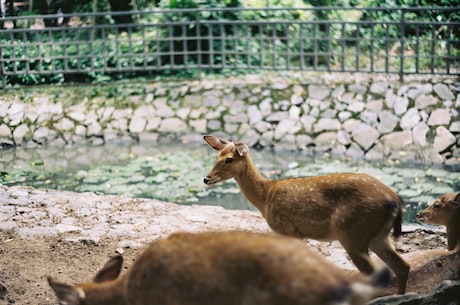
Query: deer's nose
(206, 179)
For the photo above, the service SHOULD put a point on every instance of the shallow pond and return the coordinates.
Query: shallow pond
(174, 172)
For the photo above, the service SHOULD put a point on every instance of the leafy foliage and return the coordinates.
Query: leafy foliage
(206, 36)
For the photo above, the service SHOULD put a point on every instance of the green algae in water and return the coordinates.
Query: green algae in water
(176, 175)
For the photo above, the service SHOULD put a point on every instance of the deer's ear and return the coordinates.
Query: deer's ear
(66, 294)
(242, 149)
(215, 143)
(110, 271)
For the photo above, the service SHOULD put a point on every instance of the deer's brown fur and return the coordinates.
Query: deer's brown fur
(356, 209)
(224, 268)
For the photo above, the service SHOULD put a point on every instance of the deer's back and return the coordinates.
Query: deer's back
(235, 268)
(319, 206)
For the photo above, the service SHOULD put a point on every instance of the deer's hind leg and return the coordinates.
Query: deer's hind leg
(359, 254)
(381, 246)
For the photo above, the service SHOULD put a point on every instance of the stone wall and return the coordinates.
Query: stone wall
(357, 116)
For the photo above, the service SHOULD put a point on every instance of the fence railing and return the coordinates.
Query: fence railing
(85, 47)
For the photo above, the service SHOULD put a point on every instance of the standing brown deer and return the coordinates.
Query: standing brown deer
(356, 209)
(445, 211)
(223, 268)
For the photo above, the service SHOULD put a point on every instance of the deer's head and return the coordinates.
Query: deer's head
(84, 294)
(230, 158)
(443, 211)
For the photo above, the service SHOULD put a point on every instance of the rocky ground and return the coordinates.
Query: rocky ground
(70, 236)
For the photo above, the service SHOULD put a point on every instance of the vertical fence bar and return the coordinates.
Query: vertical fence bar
(402, 38)
(222, 45)
(449, 50)
(387, 47)
(371, 45)
(315, 46)
(211, 46)
(2, 67)
(185, 45)
(433, 43)
(199, 40)
(329, 47)
(343, 45)
(357, 47)
(417, 49)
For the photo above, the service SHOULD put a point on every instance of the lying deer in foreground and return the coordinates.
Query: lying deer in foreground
(445, 211)
(430, 267)
(355, 209)
(224, 268)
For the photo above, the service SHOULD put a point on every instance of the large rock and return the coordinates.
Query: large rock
(443, 92)
(379, 87)
(94, 129)
(417, 89)
(137, 124)
(173, 125)
(401, 104)
(410, 119)
(277, 116)
(369, 117)
(64, 124)
(41, 134)
(455, 127)
(423, 101)
(238, 118)
(375, 105)
(327, 124)
(388, 122)
(307, 123)
(397, 140)
(443, 139)
(20, 132)
(447, 293)
(5, 131)
(356, 106)
(286, 126)
(365, 135)
(358, 88)
(354, 151)
(318, 92)
(440, 116)
(326, 140)
(144, 111)
(419, 133)
(254, 114)
(375, 153)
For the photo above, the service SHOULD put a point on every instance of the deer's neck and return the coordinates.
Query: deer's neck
(453, 234)
(253, 185)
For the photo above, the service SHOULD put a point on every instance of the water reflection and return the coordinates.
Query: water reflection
(174, 172)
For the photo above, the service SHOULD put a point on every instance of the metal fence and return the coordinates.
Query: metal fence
(56, 48)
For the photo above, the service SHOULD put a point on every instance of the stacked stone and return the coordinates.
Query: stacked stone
(371, 119)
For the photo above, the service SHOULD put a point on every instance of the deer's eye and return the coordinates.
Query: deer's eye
(228, 160)
(436, 205)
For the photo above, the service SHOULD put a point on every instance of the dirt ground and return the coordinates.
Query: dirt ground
(26, 263)
(71, 253)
